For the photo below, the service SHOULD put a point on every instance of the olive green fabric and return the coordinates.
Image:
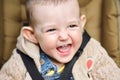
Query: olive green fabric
(84, 2)
(12, 24)
(118, 10)
(93, 13)
(1, 31)
(110, 29)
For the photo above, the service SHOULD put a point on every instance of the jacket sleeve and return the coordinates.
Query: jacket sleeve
(104, 67)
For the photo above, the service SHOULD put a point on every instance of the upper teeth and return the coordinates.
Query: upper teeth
(64, 46)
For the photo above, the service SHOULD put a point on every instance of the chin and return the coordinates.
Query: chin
(64, 61)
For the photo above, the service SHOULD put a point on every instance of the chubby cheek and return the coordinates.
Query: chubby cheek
(77, 39)
(47, 44)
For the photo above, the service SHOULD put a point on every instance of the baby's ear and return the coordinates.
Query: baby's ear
(83, 20)
(28, 34)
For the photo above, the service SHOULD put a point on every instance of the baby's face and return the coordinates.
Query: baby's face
(58, 29)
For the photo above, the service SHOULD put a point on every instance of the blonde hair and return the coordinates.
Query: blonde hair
(30, 3)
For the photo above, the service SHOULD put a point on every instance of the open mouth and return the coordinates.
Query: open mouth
(64, 49)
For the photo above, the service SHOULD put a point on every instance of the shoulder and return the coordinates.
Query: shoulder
(102, 63)
(95, 49)
(13, 68)
(99, 55)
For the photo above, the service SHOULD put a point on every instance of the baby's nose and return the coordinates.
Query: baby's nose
(63, 35)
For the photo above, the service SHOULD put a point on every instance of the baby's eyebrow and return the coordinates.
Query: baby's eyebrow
(47, 26)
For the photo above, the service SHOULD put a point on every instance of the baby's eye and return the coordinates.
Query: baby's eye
(50, 30)
(72, 26)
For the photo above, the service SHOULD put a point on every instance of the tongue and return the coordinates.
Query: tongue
(64, 49)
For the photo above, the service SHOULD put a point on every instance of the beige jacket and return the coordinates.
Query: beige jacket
(93, 64)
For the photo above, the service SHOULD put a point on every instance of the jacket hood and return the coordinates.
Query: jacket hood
(28, 48)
